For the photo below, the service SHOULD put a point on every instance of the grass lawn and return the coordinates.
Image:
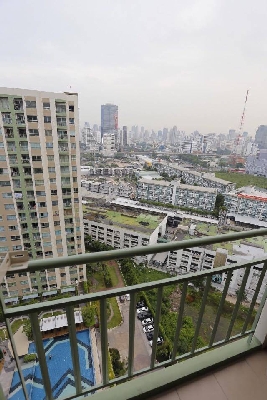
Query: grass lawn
(243, 179)
(113, 275)
(17, 324)
(116, 319)
(49, 314)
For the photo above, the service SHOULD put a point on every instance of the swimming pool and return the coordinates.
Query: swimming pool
(59, 362)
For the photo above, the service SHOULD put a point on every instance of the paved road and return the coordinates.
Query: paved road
(118, 338)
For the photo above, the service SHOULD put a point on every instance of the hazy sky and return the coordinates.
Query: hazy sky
(164, 62)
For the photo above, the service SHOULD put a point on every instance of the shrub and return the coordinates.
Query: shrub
(29, 357)
(88, 314)
(117, 365)
(27, 329)
(85, 287)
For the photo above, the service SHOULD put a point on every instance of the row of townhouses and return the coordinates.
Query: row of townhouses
(178, 194)
(108, 171)
(109, 187)
(207, 180)
(248, 202)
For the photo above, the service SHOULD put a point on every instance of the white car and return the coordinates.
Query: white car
(142, 309)
(147, 321)
(148, 328)
(159, 341)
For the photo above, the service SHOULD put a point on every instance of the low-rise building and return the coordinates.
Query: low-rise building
(207, 180)
(121, 228)
(177, 194)
(247, 201)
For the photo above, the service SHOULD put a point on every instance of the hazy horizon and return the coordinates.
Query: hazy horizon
(169, 63)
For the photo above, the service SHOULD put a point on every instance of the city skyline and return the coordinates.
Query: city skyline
(180, 64)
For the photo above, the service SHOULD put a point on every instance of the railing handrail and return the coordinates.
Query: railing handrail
(36, 265)
(84, 298)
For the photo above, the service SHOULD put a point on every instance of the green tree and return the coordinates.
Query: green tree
(27, 329)
(117, 364)
(88, 314)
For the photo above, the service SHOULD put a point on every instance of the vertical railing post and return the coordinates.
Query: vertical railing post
(131, 333)
(104, 340)
(41, 355)
(17, 359)
(156, 326)
(74, 349)
(237, 304)
(201, 313)
(179, 320)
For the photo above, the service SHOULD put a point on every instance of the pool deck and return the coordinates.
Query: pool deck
(95, 354)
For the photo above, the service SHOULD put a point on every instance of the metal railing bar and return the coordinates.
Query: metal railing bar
(104, 340)
(74, 349)
(255, 296)
(47, 305)
(156, 327)
(179, 320)
(36, 265)
(18, 364)
(201, 313)
(132, 312)
(220, 308)
(256, 320)
(38, 340)
(238, 302)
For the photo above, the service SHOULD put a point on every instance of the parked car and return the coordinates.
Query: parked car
(127, 297)
(144, 315)
(140, 304)
(159, 341)
(148, 328)
(142, 309)
(149, 335)
(147, 321)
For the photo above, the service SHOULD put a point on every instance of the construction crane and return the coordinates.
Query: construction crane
(238, 139)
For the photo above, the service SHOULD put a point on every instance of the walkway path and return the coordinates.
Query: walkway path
(9, 366)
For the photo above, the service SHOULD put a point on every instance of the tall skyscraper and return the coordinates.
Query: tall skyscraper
(40, 196)
(109, 119)
(261, 137)
(124, 136)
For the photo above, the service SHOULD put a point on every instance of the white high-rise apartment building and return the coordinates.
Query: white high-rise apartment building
(40, 195)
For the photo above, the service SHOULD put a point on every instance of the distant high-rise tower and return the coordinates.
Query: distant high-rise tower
(41, 204)
(124, 136)
(261, 137)
(109, 119)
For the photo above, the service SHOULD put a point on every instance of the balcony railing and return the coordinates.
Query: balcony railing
(250, 336)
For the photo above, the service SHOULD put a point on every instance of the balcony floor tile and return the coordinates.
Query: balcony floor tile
(245, 379)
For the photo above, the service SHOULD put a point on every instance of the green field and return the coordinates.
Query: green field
(243, 179)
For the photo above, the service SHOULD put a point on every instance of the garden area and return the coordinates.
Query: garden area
(243, 179)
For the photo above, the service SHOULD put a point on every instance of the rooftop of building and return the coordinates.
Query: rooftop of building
(121, 217)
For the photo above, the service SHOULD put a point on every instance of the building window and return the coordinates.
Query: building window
(59, 241)
(73, 145)
(71, 121)
(47, 119)
(49, 145)
(32, 118)
(9, 206)
(2, 229)
(30, 104)
(35, 146)
(7, 195)
(45, 235)
(46, 106)
(72, 133)
(3, 249)
(51, 169)
(60, 250)
(39, 182)
(48, 132)
(54, 203)
(57, 233)
(52, 180)
(33, 132)
(2, 158)
(11, 217)
(47, 244)
(17, 248)
(24, 282)
(50, 158)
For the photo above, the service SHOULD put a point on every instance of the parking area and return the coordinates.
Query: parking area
(118, 338)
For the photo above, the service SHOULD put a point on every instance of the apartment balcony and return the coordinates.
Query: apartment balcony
(179, 375)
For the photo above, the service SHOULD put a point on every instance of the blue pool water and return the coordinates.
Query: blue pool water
(60, 369)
